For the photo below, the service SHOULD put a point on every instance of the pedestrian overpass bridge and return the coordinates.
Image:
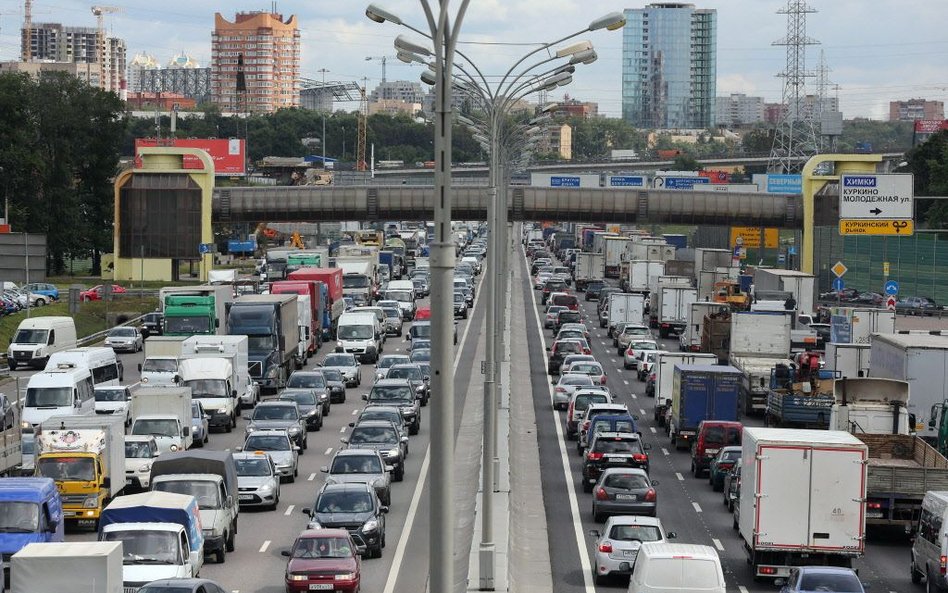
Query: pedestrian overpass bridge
(614, 205)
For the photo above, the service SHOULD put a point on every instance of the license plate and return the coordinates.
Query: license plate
(128, 481)
(628, 553)
(712, 451)
(245, 497)
(873, 514)
(626, 497)
(617, 460)
(321, 587)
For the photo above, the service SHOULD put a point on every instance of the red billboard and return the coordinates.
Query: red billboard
(930, 126)
(229, 154)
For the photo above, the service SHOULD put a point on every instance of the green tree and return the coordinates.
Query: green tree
(685, 162)
(928, 164)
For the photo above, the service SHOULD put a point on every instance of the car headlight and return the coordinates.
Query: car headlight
(174, 448)
(145, 468)
(391, 453)
(407, 410)
(266, 488)
(370, 525)
(294, 429)
(296, 577)
(90, 502)
(345, 576)
(249, 428)
(194, 428)
(420, 389)
(207, 532)
(378, 376)
(311, 413)
(323, 397)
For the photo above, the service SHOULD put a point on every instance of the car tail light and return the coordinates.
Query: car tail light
(560, 390)
(944, 564)
(602, 380)
(593, 456)
(569, 411)
(874, 505)
(587, 351)
(650, 495)
(665, 326)
(601, 494)
(651, 377)
(586, 425)
(767, 570)
(605, 547)
(641, 457)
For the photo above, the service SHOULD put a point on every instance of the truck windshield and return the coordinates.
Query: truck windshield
(355, 332)
(355, 281)
(30, 336)
(160, 365)
(81, 469)
(147, 547)
(139, 450)
(187, 325)
(261, 343)
(19, 517)
(158, 427)
(48, 397)
(110, 395)
(402, 296)
(207, 387)
(206, 493)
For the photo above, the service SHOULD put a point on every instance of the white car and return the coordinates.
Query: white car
(647, 359)
(617, 545)
(632, 354)
(566, 385)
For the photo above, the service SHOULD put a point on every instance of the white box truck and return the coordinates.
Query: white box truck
(625, 307)
(711, 259)
(920, 359)
(802, 499)
(856, 325)
(672, 307)
(801, 285)
(759, 341)
(234, 349)
(589, 268)
(165, 413)
(89, 567)
(848, 360)
(615, 250)
(642, 274)
(161, 360)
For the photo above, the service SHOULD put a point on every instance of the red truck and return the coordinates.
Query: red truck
(314, 291)
(333, 306)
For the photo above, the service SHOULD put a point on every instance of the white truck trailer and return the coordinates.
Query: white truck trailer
(165, 413)
(759, 341)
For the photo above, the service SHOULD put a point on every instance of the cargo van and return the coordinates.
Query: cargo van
(105, 367)
(930, 547)
(38, 337)
(66, 390)
(360, 334)
(678, 568)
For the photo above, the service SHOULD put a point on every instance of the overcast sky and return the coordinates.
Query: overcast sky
(878, 50)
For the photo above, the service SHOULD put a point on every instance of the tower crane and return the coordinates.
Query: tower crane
(100, 12)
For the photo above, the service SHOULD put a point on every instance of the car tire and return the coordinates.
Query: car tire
(600, 579)
(597, 517)
(626, 367)
(399, 474)
(219, 556)
(292, 478)
(734, 524)
(327, 410)
(231, 543)
(199, 443)
(916, 574)
(587, 487)
(207, 436)
(40, 302)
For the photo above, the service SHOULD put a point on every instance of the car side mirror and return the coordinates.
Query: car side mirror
(186, 431)
(594, 532)
(389, 468)
(383, 509)
(306, 512)
(404, 439)
(296, 448)
(238, 449)
(360, 550)
(866, 586)
(233, 393)
(139, 367)
(647, 446)
(548, 349)
(352, 424)
(344, 440)
(324, 469)
(671, 535)
(285, 553)
(52, 525)
(636, 418)
(365, 396)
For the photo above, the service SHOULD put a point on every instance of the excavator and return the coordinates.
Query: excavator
(729, 292)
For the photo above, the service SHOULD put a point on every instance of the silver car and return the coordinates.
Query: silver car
(258, 483)
(124, 338)
(346, 364)
(617, 545)
(361, 465)
(386, 361)
(566, 385)
(394, 324)
(278, 445)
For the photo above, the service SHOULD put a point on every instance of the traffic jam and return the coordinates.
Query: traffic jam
(678, 361)
(297, 393)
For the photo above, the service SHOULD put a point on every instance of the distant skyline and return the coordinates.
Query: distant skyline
(877, 50)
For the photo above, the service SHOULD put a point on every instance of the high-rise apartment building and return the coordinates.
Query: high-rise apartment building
(737, 109)
(255, 62)
(53, 42)
(669, 66)
(398, 90)
(916, 109)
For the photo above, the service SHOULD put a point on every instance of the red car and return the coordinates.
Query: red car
(322, 557)
(95, 293)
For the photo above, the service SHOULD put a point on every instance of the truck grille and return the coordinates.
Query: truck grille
(255, 369)
(73, 499)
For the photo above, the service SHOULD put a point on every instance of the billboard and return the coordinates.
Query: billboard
(750, 237)
(229, 154)
(930, 126)
(784, 184)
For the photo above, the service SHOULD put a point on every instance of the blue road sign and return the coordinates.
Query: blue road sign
(838, 284)
(204, 248)
(892, 287)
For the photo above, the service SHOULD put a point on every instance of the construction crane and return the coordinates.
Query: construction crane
(100, 12)
(363, 123)
(26, 51)
(383, 59)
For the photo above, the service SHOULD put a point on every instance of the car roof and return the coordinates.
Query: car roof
(355, 452)
(625, 470)
(632, 519)
(311, 533)
(276, 402)
(345, 487)
(617, 435)
(392, 382)
(250, 454)
(375, 423)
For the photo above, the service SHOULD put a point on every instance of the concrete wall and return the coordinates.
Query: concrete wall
(16, 250)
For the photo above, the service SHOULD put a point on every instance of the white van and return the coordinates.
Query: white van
(38, 337)
(64, 391)
(106, 368)
(360, 334)
(676, 568)
(402, 291)
(931, 542)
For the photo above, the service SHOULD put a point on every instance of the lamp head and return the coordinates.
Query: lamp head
(380, 15)
(610, 22)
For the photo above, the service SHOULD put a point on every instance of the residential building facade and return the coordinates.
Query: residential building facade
(916, 109)
(56, 43)
(738, 109)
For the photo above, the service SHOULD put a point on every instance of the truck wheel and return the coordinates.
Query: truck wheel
(11, 363)
(219, 556)
(916, 575)
(230, 424)
(231, 543)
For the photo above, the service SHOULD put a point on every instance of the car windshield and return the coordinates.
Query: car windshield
(421, 355)
(19, 517)
(125, 332)
(252, 467)
(355, 281)
(322, 547)
(392, 313)
(332, 375)
(589, 369)
(362, 435)
(567, 347)
(267, 442)
(110, 395)
(626, 481)
(420, 330)
(355, 332)
(30, 336)
(344, 502)
(160, 365)
(838, 583)
(275, 413)
(635, 533)
(387, 361)
(730, 455)
(141, 546)
(722, 436)
(81, 469)
(48, 397)
(139, 450)
(373, 413)
(159, 427)
(618, 446)
(410, 373)
(206, 492)
(303, 398)
(338, 360)
(390, 393)
(352, 464)
(402, 296)
(644, 346)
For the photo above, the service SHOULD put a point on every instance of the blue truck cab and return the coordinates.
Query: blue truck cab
(30, 512)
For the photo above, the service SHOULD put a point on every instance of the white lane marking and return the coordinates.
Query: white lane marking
(680, 477)
(399, 555)
(717, 544)
(289, 510)
(227, 449)
(343, 428)
(328, 451)
(664, 451)
(355, 411)
(742, 588)
(625, 381)
(653, 429)
(578, 532)
(311, 478)
(635, 396)
(263, 548)
(697, 507)
(642, 411)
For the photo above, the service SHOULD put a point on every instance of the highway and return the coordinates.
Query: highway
(257, 566)
(687, 505)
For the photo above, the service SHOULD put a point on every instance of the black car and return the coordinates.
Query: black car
(354, 507)
(414, 375)
(152, 324)
(592, 290)
(382, 436)
(916, 306)
(612, 449)
(337, 385)
(308, 402)
(314, 380)
(398, 392)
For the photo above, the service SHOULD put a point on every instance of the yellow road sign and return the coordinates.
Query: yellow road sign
(839, 268)
(896, 227)
(750, 236)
